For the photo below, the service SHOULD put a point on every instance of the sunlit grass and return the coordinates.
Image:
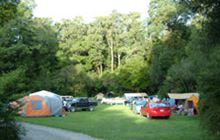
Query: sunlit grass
(119, 123)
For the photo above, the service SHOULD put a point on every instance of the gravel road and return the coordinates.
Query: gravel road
(37, 132)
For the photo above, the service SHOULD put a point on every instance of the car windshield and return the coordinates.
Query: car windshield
(68, 100)
(75, 99)
(130, 99)
(141, 102)
(154, 105)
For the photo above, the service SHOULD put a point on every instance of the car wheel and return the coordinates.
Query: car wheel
(72, 109)
(91, 108)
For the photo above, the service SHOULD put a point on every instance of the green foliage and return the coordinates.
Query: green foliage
(9, 74)
(165, 54)
(72, 80)
(9, 129)
(185, 50)
(133, 76)
(8, 10)
(71, 41)
(209, 85)
(27, 49)
(205, 56)
(179, 79)
(160, 12)
(8, 86)
(105, 45)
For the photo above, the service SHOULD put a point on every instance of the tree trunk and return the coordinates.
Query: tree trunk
(119, 59)
(112, 59)
(101, 70)
(98, 70)
(110, 44)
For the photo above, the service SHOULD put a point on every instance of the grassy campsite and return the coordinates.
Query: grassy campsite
(118, 122)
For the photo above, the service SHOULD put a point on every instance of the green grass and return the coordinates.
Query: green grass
(119, 123)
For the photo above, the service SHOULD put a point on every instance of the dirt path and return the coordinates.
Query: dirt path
(38, 132)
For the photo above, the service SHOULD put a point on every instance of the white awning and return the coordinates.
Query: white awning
(182, 95)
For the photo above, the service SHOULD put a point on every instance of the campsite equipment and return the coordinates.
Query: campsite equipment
(195, 101)
(137, 105)
(189, 100)
(42, 103)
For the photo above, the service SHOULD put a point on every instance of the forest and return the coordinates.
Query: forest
(175, 49)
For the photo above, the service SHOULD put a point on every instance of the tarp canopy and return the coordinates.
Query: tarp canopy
(187, 97)
(182, 96)
(129, 95)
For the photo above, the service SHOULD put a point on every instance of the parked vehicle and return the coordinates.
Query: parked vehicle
(113, 101)
(138, 104)
(153, 109)
(82, 103)
(66, 101)
(130, 102)
(106, 101)
(136, 101)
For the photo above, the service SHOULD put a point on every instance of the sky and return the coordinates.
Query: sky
(88, 9)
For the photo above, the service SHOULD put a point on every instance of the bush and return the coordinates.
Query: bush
(209, 86)
(9, 128)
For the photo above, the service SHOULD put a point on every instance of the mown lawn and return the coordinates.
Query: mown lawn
(119, 123)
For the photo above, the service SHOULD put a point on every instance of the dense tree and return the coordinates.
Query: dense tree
(102, 47)
(71, 41)
(205, 55)
(169, 38)
(8, 73)
(185, 44)
(72, 80)
(97, 47)
(133, 76)
(27, 49)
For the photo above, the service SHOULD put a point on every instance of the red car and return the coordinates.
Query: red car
(155, 110)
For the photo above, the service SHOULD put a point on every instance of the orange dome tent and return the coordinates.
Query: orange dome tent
(42, 103)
